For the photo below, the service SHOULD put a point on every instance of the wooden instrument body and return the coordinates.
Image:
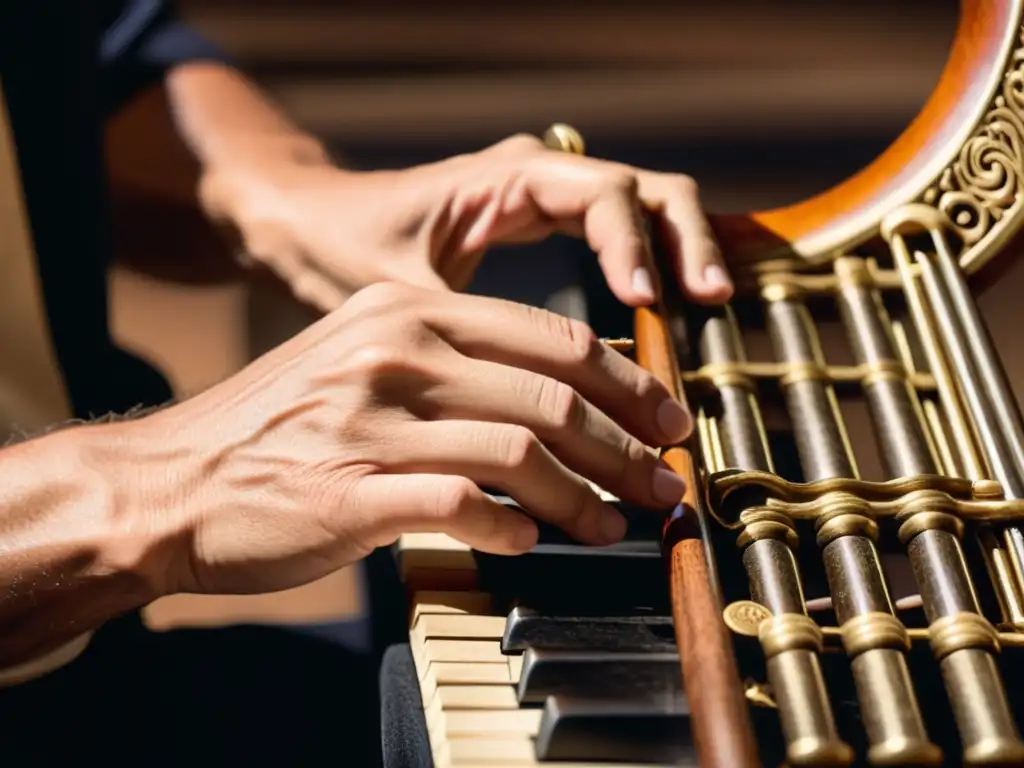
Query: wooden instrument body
(961, 154)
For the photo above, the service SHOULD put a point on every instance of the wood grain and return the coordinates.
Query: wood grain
(721, 726)
(722, 731)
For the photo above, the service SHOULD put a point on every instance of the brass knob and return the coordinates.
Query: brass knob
(564, 138)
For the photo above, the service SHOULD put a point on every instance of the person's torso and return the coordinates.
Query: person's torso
(49, 67)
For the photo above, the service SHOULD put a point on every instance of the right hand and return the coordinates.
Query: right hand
(386, 417)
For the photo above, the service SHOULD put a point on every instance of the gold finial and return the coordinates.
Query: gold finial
(564, 138)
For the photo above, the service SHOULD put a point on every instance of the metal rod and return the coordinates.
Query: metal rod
(987, 363)
(874, 638)
(791, 640)
(932, 538)
(965, 434)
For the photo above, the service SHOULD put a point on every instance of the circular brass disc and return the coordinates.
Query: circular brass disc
(745, 616)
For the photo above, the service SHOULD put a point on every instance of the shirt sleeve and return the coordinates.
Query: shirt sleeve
(140, 41)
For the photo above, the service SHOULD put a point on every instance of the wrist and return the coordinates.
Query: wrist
(81, 542)
(254, 176)
(124, 504)
(152, 479)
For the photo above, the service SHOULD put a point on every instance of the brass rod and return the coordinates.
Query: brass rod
(959, 420)
(931, 538)
(994, 382)
(789, 639)
(975, 465)
(860, 595)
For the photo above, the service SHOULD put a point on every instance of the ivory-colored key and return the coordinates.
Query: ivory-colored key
(460, 626)
(435, 561)
(465, 651)
(445, 673)
(492, 697)
(464, 603)
(518, 722)
(502, 753)
(486, 751)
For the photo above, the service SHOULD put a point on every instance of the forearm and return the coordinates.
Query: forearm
(241, 139)
(74, 553)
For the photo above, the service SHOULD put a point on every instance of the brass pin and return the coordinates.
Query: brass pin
(620, 345)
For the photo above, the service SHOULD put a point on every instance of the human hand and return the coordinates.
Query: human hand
(329, 232)
(386, 417)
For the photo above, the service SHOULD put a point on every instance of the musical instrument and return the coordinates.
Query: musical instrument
(572, 655)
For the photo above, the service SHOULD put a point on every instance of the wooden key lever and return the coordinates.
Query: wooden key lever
(721, 724)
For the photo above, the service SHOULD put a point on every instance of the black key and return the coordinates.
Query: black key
(631, 572)
(598, 674)
(650, 730)
(623, 575)
(543, 630)
(641, 524)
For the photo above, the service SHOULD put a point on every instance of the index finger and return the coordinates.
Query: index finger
(568, 350)
(686, 237)
(598, 200)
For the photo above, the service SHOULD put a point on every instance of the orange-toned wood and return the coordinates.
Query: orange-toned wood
(721, 726)
(974, 55)
(722, 731)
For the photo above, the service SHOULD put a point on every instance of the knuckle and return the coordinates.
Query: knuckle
(376, 359)
(382, 297)
(579, 342)
(581, 499)
(386, 355)
(687, 185)
(520, 142)
(634, 451)
(559, 404)
(583, 344)
(635, 461)
(625, 183)
(454, 495)
(518, 447)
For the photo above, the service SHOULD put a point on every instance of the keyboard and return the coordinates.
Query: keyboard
(563, 655)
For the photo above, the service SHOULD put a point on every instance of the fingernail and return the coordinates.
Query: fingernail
(716, 277)
(668, 487)
(673, 420)
(642, 282)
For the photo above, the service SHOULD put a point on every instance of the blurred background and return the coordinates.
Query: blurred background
(763, 103)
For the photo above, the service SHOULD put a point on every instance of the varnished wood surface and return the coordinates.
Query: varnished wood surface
(722, 730)
(974, 56)
(721, 726)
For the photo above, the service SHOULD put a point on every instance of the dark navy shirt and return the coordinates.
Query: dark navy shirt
(66, 66)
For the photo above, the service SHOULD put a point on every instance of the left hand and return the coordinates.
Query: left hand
(329, 232)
